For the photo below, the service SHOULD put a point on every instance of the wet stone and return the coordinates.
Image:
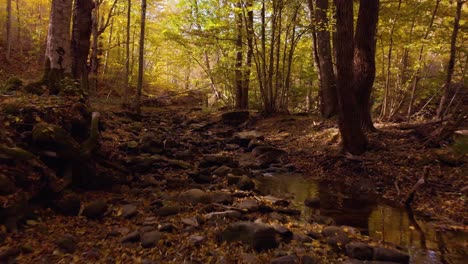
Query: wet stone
(290, 259)
(129, 210)
(222, 171)
(96, 209)
(359, 250)
(149, 240)
(194, 196)
(67, 243)
(386, 254)
(168, 210)
(249, 205)
(258, 236)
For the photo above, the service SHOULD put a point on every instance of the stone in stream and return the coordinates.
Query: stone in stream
(245, 183)
(290, 259)
(232, 214)
(222, 171)
(67, 243)
(235, 118)
(194, 196)
(131, 237)
(283, 231)
(336, 236)
(249, 205)
(386, 254)
(359, 250)
(168, 210)
(149, 239)
(259, 236)
(96, 209)
(244, 138)
(129, 210)
(68, 205)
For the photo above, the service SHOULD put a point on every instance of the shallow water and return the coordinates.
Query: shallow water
(373, 216)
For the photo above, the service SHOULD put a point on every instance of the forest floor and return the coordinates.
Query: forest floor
(179, 185)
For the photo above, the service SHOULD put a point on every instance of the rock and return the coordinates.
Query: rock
(150, 143)
(131, 237)
(235, 117)
(290, 259)
(149, 240)
(8, 253)
(7, 186)
(190, 221)
(313, 202)
(197, 177)
(386, 254)
(336, 236)
(67, 243)
(168, 210)
(231, 179)
(332, 231)
(321, 219)
(314, 235)
(194, 196)
(222, 171)
(245, 183)
(166, 227)
(255, 143)
(96, 209)
(258, 236)
(260, 150)
(283, 231)
(196, 240)
(288, 211)
(211, 160)
(309, 260)
(129, 210)
(243, 138)
(359, 250)
(232, 214)
(276, 201)
(146, 229)
(300, 237)
(91, 255)
(69, 205)
(221, 197)
(249, 205)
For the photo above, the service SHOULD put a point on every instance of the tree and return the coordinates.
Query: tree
(8, 30)
(141, 57)
(127, 58)
(328, 96)
(354, 140)
(451, 63)
(80, 43)
(58, 56)
(364, 58)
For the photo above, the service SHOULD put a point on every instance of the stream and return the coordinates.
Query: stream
(372, 216)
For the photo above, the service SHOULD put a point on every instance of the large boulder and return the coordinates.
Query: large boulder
(96, 209)
(258, 236)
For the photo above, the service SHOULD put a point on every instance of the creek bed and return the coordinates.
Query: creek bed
(373, 216)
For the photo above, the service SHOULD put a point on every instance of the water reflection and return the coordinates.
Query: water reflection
(373, 217)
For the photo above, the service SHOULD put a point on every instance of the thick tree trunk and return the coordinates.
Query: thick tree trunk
(58, 56)
(141, 57)
(354, 140)
(451, 64)
(329, 101)
(81, 34)
(364, 58)
(248, 64)
(18, 20)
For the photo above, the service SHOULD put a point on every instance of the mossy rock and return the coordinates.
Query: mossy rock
(13, 84)
(37, 88)
(55, 138)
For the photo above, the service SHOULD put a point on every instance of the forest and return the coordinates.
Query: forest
(233, 131)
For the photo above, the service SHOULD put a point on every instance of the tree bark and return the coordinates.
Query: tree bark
(354, 140)
(80, 43)
(8, 30)
(451, 64)
(127, 58)
(18, 20)
(329, 101)
(58, 56)
(141, 57)
(239, 57)
(364, 58)
(248, 64)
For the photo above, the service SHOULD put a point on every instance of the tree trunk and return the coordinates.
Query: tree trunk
(329, 101)
(451, 64)
(8, 30)
(18, 20)
(239, 57)
(141, 57)
(354, 140)
(80, 43)
(248, 65)
(94, 51)
(127, 58)
(364, 58)
(58, 56)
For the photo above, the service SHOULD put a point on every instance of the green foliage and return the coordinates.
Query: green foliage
(70, 87)
(12, 84)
